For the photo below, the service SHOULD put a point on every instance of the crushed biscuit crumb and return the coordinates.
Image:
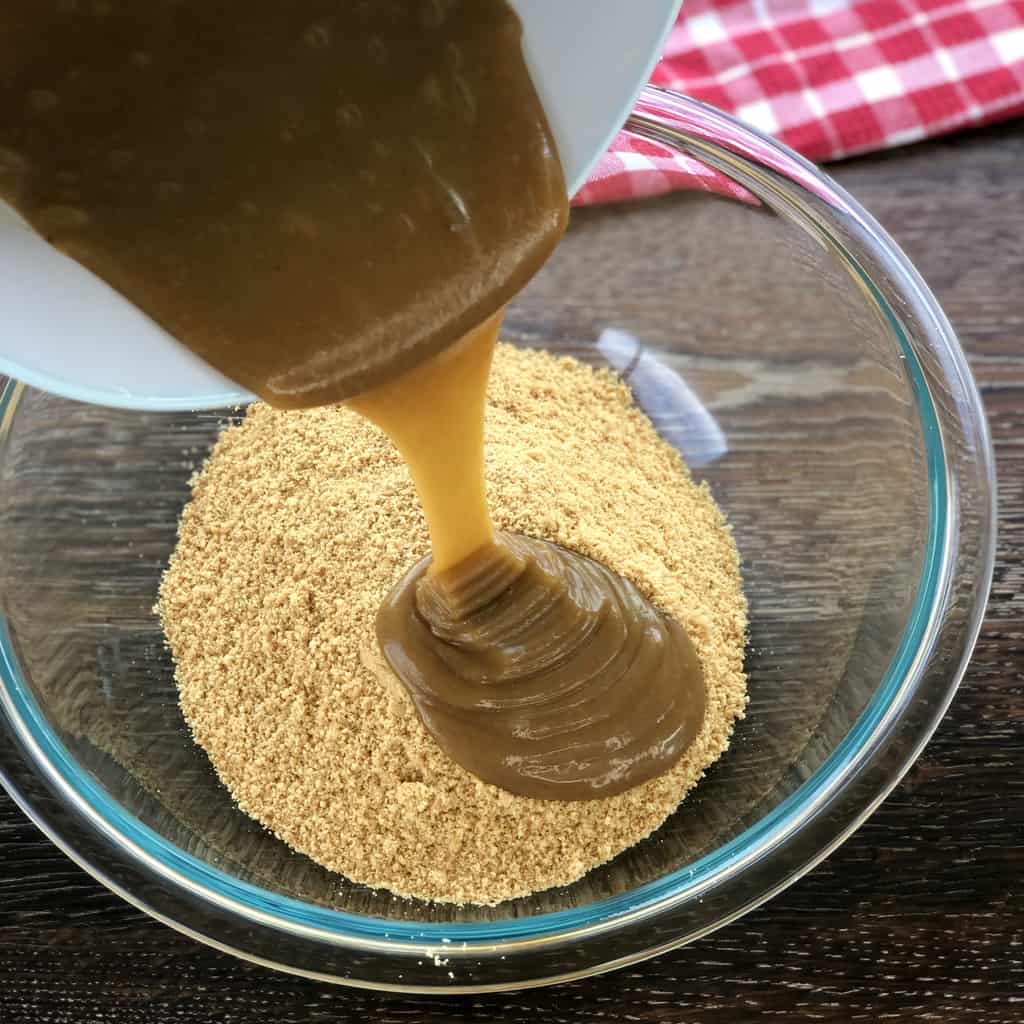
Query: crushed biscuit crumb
(299, 524)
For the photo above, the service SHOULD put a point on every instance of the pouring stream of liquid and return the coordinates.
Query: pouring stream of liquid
(434, 415)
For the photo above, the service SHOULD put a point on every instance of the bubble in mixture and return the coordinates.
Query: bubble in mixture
(377, 50)
(62, 217)
(431, 94)
(169, 190)
(12, 163)
(317, 37)
(348, 115)
(435, 13)
(120, 159)
(298, 224)
(43, 100)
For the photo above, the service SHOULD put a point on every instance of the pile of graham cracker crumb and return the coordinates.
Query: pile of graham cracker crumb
(299, 525)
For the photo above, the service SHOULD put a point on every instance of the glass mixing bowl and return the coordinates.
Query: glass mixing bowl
(785, 344)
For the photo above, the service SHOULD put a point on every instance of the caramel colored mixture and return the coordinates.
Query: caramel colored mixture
(434, 415)
(313, 196)
(299, 525)
(544, 672)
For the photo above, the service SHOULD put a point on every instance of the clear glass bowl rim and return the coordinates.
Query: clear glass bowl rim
(189, 875)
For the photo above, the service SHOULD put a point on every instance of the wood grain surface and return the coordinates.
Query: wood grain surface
(918, 917)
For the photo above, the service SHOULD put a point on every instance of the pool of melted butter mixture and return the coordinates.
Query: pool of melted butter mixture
(544, 672)
(332, 201)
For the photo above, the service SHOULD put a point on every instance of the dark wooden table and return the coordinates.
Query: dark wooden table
(919, 917)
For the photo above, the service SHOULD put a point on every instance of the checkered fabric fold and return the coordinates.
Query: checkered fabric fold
(831, 78)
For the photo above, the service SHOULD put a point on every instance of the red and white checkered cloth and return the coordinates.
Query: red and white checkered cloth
(830, 78)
